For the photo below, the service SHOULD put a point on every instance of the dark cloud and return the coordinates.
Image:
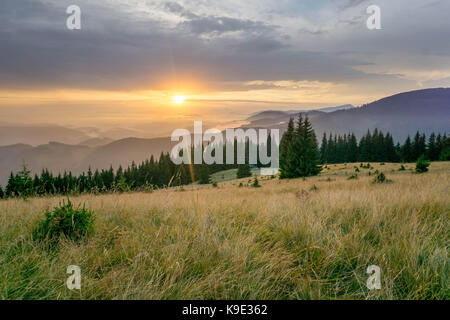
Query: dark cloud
(260, 44)
(118, 51)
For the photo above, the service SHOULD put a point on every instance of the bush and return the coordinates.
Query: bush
(214, 184)
(353, 176)
(65, 221)
(381, 178)
(256, 183)
(422, 165)
(402, 168)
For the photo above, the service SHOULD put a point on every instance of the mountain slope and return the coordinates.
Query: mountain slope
(402, 114)
(58, 157)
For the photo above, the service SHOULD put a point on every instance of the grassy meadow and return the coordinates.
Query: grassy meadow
(289, 239)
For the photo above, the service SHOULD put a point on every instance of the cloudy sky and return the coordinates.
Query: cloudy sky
(229, 58)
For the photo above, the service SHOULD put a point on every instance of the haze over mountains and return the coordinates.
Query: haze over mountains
(77, 149)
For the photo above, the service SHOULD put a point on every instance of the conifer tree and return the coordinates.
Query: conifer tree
(432, 148)
(407, 153)
(243, 171)
(352, 149)
(300, 150)
(324, 149)
(286, 170)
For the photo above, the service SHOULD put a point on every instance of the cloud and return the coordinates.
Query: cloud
(351, 3)
(222, 45)
(220, 25)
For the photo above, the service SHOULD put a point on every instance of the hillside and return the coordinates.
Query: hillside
(402, 114)
(59, 157)
(290, 239)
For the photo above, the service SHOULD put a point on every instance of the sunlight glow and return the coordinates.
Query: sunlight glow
(179, 99)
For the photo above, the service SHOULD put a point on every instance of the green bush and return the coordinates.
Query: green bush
(256, 183)
(65, 221)
(353, 176)
(381, 178)
(402, 168)
(422, 165)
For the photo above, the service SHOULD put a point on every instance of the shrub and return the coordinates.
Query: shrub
(214, 184)
(256, 183)
(402, 168)
(356, 170)
(65, 221)
(422, 165)
(381, 178)
(353, 176)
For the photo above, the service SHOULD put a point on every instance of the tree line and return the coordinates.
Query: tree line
(148, 175)
(300, 156)
(380, 147)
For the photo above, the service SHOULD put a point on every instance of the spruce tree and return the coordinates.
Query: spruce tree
(286, 145)
(445, 153)
(416, 147)
(24, 182)
(244, 171)
(407, 154)
(204, 177)
(352, 148)
(324, 149)
(312, 154)
(432, 153)
(303, 155)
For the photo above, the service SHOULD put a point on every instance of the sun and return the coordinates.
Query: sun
(179, 99)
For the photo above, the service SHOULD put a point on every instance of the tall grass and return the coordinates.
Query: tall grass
(285, 240)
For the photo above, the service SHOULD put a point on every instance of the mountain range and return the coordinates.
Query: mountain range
(402, 114)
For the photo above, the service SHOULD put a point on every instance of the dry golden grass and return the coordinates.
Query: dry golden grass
(297, 239)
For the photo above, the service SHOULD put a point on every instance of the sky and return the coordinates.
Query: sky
(228, 58)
